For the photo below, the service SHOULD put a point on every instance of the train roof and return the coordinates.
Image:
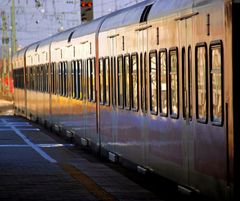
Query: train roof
(62, 35)
(165, 7)
(88, 28)
(20, 53)
(125, 17)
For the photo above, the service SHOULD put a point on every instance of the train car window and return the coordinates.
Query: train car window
(73, 73)
(101, 80)
(173, 70)
(93, 79)
(127, 102)
(163, 82)
(40, 78)
(134, 81)
(17, 78)
(107, 82)
(29, 78)
(80, 80)
(201, 82)
(216, 82)
(89, 79)
(43, 78)
(65, 78)
(52, 77)
(47, 77)
(60, 79)
(143, 65)
(120, 81)
(190, 109)
(56, 85)
(113, 77)
(153, 79)
(184, 83)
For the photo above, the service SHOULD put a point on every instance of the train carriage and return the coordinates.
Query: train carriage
(154, 84)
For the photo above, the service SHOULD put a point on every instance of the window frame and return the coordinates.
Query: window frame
(216, 43)
(167, 84)
(135, 109)
(150, 85)
(173, 116)
(199, 45)
(118, 97)
(190, 81)
(80, 82)
(107, 103)
(124, 78)
(101, 102)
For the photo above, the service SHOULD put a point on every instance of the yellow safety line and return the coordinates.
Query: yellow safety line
(88, 183)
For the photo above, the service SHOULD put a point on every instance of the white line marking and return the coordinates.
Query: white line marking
(39, 145)
(35, 147)
(14, 124)
(55, 145)
(22, 129)
(13, 145)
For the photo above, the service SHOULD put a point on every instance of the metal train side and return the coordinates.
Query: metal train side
(143, 104)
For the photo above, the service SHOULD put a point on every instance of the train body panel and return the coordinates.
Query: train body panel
(150, 83)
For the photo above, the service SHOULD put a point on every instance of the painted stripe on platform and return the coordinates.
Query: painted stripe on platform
(35, 147)
(88, 183)
(13, 145)
(39, 145)
(55, 145)
(22, 129)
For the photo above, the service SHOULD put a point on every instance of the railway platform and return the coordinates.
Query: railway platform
(36, 164)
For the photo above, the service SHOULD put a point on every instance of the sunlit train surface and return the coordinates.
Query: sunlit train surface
(151, 85)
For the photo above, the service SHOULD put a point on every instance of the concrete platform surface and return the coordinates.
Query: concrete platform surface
(36, 165)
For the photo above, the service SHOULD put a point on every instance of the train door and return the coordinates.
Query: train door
(185, 50)
(85, 88)
(113, 75)
(142, 40)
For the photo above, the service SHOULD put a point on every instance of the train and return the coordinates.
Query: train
(154, 85)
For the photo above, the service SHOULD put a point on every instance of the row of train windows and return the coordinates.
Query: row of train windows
(164, 82)
(122, 78)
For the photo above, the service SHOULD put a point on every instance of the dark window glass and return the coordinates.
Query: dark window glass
(52, 77)
(216, 79)
(163, 82)
(127, 81)
(60, 85)
(201, 70)
(107, 82)
(79, 80)
(47, 85)
(190, 82)
(41, 78)
(173, 58)
(101, 80)
(153, 82)
(184, 83)
(89, 82)
(134, 81)
(143, 60)
(73, 79)
(113, 71)
(120, 81)
(65, 79)
(93, 80)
